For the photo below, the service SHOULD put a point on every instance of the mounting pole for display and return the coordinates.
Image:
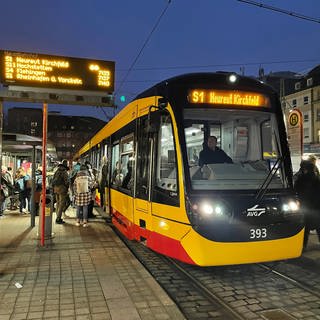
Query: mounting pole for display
(1, 131)
(47, 79)
(44, 168)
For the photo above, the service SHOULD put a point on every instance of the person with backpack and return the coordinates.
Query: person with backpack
(5, 188)
(38, 189)
(93, 189)
(82, 186)
(60, 184)
(21, 186)
(73, 174)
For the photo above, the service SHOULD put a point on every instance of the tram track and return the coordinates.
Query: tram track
(290, 279)
(214, 298)
(253, 291)
(194, 300)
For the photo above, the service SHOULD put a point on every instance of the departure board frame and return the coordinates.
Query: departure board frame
(56, 72)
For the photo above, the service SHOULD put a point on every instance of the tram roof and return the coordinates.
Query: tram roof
(22, 144)
(220, 77)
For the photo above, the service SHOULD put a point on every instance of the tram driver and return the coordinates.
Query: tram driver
(212, 154)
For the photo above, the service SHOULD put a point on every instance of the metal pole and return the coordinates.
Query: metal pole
(33, 189)
(44, 168)
(1, 130)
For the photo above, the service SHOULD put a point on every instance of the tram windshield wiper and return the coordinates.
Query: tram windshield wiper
(264, 187)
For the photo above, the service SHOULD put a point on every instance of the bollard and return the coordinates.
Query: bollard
(47, 216)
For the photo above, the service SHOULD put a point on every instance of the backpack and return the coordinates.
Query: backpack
(27, 182)
(82, 184)
(58, 178)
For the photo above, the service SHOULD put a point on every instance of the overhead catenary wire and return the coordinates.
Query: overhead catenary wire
(283, 11)
(143, 46)
(220, 65)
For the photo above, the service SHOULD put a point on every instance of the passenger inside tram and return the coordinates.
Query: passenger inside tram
(213, 154)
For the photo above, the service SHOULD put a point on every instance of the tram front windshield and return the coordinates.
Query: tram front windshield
(249, 138)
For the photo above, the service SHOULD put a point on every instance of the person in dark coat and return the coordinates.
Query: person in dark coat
(103, 180)
(307, 187)
(213, 154)
(60, 184)
(38, 189)
(6, 187)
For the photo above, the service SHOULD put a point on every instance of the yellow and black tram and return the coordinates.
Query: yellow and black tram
(243, 211)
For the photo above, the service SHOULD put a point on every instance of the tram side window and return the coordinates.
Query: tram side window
(127, 162)
(166, 170)
(117, 176)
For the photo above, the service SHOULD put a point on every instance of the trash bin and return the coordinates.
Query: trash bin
(47, 217)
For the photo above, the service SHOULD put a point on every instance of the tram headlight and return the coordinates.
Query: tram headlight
(210, 209)
(291, 206)
(205, 210)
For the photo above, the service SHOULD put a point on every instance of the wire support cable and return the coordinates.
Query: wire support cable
(221, 65)
(287, 12)
(143, 46)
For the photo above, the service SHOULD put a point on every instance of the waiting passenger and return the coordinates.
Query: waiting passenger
(213, 154)
(307, 187)
(103, 181)
(117, 175)
(82, 186)
(127, 181)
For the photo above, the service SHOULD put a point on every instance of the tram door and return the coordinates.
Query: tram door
(105, 172)
(142, 204)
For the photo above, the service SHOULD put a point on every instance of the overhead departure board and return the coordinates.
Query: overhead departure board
(47, 71)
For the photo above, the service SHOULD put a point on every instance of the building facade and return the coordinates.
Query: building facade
(68, 133)
(305, 96)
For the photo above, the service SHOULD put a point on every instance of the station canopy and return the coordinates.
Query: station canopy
(21, 145)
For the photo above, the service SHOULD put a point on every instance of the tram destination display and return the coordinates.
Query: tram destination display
(228, 97)
(48, 71)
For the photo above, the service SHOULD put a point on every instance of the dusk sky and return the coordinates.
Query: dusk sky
(192, 36)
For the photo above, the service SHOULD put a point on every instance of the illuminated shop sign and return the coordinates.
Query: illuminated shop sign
(225, 97)
(39, 70)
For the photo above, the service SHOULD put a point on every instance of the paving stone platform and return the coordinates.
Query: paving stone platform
(81, 273)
